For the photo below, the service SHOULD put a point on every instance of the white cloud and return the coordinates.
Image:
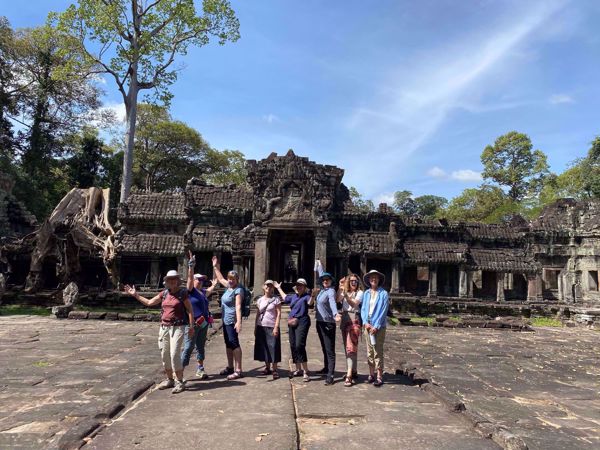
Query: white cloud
(118, 109)
(271, 118)
(558, 99)
(457, 175)
(415, 99)
(385, 197)
(436, 172)
(466, 175)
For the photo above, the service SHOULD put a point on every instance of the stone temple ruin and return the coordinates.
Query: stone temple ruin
(292, 211)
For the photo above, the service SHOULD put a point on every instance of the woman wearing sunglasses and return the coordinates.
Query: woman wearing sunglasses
(350, 295)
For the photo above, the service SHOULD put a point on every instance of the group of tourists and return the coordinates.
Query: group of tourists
(359, 306)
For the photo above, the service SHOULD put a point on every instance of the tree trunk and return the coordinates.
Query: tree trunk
(131, 106)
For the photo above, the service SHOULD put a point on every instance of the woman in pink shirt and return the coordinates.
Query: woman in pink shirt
(267, 343)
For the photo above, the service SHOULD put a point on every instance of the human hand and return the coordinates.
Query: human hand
(130, 290)
(238, 327)
(275, 331)
(215, 261)
(316, 291)
(191, 331)
(338, 318)
(372, 330)
(276, 285)
(192, 259)
(214, 282)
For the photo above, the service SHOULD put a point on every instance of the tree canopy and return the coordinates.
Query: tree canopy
(512, 163)
(136, 42)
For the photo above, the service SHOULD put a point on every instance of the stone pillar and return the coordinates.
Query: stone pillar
(182, 266)
(433, 289)
(344, 260)
(401, 287)
(396, 263)
(155, 272)
(239, 268)
(534, 288)
(260, 261)
(463, 283)
(500, 286)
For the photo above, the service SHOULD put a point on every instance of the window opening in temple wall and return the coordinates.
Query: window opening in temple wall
(593, 280)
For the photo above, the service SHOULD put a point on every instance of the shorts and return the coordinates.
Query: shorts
(231, 337)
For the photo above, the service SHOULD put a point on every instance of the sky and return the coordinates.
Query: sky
(400, 94)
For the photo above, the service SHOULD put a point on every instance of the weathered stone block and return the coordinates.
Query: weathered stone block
(79, 315)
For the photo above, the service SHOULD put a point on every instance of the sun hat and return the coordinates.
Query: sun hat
(269, 282)
(326, 275)
(199, 276)
(373, 272)
(301, 281)
(171, 274)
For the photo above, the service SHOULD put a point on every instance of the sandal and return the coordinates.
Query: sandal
(275, 375)
(226, 371)
(378, 382)
(370, 379)
(306, 377)
(295, 373)
(348, 381)
(234, 376)
(266, 372)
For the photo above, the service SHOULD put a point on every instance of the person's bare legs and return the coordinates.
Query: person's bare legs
(230, 357)
(169, 373)
(237, 359)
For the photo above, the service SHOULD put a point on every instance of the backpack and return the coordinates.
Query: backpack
(247, 301)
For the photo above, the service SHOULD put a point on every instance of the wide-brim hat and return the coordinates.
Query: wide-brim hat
(171, 274)
(373, 272)
(269, 282)
(326, 275)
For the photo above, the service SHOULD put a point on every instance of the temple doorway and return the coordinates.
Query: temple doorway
(291, 256)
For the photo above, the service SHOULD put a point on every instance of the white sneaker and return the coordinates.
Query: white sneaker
(179, 387)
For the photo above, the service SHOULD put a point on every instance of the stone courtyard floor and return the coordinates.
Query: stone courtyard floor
(60, 379)
(543, 386)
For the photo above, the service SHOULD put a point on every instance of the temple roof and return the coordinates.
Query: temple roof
(151, 244)
(435, 252)
(163, 207)
(211, 238)
(202, 195)
(502, 260)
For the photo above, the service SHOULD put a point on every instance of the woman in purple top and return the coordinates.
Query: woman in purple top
(298, 324)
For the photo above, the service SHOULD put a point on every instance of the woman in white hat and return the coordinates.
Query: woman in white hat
(267, 342)
(298, 325)
(175, 306)
(350, 295)
(375, 304)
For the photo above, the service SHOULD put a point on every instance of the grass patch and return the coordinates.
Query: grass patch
(545, 322)
(118, 310)
(393, 321)
(42, 364)
(427, 320)
(24, 310)
(455, 319)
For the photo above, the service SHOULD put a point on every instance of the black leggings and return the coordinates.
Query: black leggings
(297, 336)
(326, 332)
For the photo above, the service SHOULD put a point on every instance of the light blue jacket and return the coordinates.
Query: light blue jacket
(382, 302)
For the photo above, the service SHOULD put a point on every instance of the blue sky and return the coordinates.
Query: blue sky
(401, 94)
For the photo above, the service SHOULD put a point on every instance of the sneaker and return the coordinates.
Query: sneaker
(226, 371)
(166, 384)
(200, 373)
(179, 387)
(329, 381)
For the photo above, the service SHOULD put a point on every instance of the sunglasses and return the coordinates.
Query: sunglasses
(353, 281)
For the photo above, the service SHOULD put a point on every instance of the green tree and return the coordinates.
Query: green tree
(430, 206)
(86, 165)
(404, 204)
(8, 104)
(359, 202)
(169, 152)
(483, 204)
(136, 43)
(512, 163)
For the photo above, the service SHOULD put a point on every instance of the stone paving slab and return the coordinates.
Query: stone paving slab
(54, 374)
(258, 413)
(542, 386)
